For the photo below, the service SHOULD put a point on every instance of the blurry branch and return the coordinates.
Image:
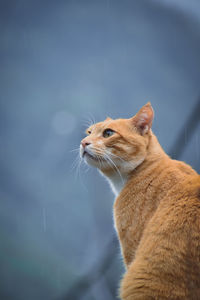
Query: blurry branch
(80, 287)
(186, 132)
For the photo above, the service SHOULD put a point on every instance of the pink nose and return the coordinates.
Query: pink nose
(84, 143)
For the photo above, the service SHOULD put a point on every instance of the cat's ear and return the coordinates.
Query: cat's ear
(143, 119)
(108, 119)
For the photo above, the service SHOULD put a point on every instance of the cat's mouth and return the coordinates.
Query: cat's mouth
(87, 154)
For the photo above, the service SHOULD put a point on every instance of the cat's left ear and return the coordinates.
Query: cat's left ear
(143, 119)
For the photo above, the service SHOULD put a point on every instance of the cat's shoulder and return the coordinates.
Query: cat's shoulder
(184, 168)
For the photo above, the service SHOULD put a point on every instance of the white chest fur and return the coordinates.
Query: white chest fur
(117, 182)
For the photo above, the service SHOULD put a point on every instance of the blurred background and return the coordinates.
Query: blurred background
(64, 64)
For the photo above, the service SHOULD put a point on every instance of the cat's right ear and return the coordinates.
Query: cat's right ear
(143, 119)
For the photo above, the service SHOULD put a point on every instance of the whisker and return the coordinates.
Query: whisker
(76, 163)
(114, 155)
(107, 153)
(87, 124)
(75, 150)
(92, 118)
(89, 121)
(77, 167)
(103, 156)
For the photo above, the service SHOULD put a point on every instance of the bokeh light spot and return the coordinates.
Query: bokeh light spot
(63, 123)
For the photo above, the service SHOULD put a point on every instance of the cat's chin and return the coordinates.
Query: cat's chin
(91, 160)
(96, 162)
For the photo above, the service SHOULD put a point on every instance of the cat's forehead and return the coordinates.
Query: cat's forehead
(108, 123)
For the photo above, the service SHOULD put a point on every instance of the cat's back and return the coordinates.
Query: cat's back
(184, 186)
(177, 183)
(180, 206)
(167, 260)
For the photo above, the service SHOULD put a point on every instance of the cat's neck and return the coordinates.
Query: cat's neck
(117, 178)
(117, 181)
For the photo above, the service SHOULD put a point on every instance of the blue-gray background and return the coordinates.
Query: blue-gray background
(63, 63)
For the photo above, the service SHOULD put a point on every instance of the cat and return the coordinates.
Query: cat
(156, 210)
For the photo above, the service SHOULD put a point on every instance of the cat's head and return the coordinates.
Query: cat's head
(118, 144)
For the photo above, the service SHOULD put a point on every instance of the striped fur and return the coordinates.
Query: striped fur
(156, 211)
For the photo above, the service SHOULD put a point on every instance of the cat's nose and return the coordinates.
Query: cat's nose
(85, 143)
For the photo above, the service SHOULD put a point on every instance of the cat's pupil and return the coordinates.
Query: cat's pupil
(108, 132)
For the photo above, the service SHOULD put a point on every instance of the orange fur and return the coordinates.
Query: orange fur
(156, 211)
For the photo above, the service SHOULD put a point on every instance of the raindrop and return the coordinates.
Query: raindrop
(44, 219)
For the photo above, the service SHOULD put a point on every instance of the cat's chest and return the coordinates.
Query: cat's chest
(129, 223)
(124, 218)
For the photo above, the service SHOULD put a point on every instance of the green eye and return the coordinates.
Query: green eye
(108, 133)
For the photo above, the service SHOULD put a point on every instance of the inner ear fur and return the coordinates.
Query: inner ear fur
(143, 119)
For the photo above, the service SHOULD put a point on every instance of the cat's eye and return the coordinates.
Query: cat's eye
(89, 131)
(108, 132)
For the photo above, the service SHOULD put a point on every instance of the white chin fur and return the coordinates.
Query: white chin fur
(121, 170)
(90, 161)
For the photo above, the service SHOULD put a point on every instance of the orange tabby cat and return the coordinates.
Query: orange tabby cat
(156, 211)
